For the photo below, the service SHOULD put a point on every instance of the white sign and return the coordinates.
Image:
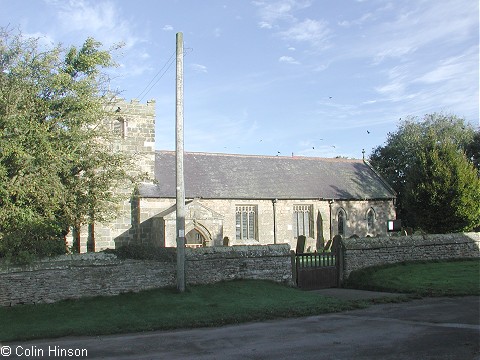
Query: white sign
(390, 225)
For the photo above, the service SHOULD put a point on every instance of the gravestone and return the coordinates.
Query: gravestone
(328, 245)
(301, 244)
(336, 242)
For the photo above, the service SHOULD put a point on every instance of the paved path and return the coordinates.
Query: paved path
(354, 294)
(430, 328)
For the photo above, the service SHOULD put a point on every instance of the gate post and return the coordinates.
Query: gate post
(340, 253)
(294, 267)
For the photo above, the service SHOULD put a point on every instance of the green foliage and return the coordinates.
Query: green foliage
(432, 278)
(218, 304)
(57, 169)
(145, 252)
(472, 150)
(443, 190)
(400, 159)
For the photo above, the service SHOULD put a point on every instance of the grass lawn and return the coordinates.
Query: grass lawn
(226, 303)
(443, 278)
(207, 305)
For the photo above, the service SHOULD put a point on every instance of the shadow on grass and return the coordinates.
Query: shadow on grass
(430, 278)
(161, 309)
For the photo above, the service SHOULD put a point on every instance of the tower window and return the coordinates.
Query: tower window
(120, 127)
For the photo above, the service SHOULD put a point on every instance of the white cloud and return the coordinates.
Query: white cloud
(450, 68)
(99, 19)
(273, 12)
(359, 21)
(288, 60)
(394, 52)
(199, 68)
(284, 18)
(265, 25)
(312, 31)
(167, 28)
(414, 27)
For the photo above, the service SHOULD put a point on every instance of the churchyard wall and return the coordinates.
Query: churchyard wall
(94, 274)
(365, 252)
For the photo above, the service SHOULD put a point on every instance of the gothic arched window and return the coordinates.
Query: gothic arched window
(370, 221)
(341, 217)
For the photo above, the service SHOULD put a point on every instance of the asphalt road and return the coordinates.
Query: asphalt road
(429, 328)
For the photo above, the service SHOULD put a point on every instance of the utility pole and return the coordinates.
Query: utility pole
(179, 168)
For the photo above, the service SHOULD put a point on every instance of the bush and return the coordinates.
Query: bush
(146, 252)
(22, 247)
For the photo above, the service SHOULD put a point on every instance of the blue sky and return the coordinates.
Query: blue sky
(308, 77)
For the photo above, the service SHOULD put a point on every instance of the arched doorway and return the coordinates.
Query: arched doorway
(194, 238)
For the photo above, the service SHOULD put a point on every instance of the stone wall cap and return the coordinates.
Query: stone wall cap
(412, 240)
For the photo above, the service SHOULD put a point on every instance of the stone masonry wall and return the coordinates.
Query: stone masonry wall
(133, 125)
(365, 252)
(94, 274)
(356, 220)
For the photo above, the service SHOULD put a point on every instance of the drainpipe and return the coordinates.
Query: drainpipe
(274, 202)
(330, 203)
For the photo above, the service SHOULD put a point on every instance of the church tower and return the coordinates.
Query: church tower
(133, 126)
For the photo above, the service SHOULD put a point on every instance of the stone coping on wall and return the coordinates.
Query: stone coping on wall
(216, 252)
(195, 254)
(94, 274)
(63, 262)
(360, 253)
(412, 240)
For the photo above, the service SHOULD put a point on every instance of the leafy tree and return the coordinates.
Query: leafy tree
(57, 169)
(396, 160)
(473, 150)
(443, 190)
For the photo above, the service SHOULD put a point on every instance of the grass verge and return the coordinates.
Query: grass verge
(441, 278)
(200, 306)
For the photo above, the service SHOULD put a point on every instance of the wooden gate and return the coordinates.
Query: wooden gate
(319, 270)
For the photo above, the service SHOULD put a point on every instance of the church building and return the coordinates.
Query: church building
(242, 199)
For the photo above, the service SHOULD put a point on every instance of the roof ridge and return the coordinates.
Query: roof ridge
(295, 157)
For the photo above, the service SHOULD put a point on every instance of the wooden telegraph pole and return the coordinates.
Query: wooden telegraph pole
(179, 168)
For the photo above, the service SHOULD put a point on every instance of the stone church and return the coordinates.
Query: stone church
(240, 199)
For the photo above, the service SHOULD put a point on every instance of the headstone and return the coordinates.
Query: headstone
(336, 241)
(328, 245)
(301, 244)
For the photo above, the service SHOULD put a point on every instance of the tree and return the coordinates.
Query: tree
(396, 160)
(473, 150)
(56, 166)
(443, 190)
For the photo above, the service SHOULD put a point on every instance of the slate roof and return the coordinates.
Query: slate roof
(226, 176)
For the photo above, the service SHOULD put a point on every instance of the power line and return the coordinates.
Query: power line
(168, 64)
(149, 86)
